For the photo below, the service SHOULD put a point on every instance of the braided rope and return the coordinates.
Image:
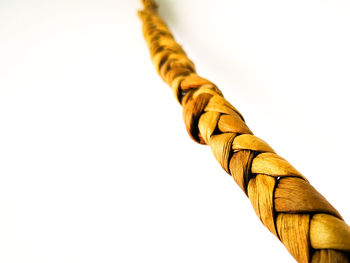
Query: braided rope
(305, 222)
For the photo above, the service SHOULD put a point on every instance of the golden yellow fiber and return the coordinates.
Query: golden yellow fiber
(310, 228)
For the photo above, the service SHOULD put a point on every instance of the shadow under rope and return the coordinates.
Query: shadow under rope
(166, 11)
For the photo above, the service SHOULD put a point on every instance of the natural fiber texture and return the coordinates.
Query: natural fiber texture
(305, 222)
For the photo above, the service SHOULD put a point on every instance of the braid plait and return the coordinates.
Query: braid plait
(310, 228)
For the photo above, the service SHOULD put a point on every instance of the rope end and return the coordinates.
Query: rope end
(149, 4)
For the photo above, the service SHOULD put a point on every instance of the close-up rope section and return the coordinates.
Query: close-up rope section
(310, 228)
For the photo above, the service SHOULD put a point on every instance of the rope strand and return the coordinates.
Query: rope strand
(300, 217)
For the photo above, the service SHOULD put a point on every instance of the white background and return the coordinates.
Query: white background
(95, 162)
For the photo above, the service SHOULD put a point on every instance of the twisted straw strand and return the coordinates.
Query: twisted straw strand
(300, 217)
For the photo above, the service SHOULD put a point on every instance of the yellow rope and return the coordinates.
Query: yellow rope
(305, 222)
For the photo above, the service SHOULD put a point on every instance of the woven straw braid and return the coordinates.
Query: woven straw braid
(300, 217)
